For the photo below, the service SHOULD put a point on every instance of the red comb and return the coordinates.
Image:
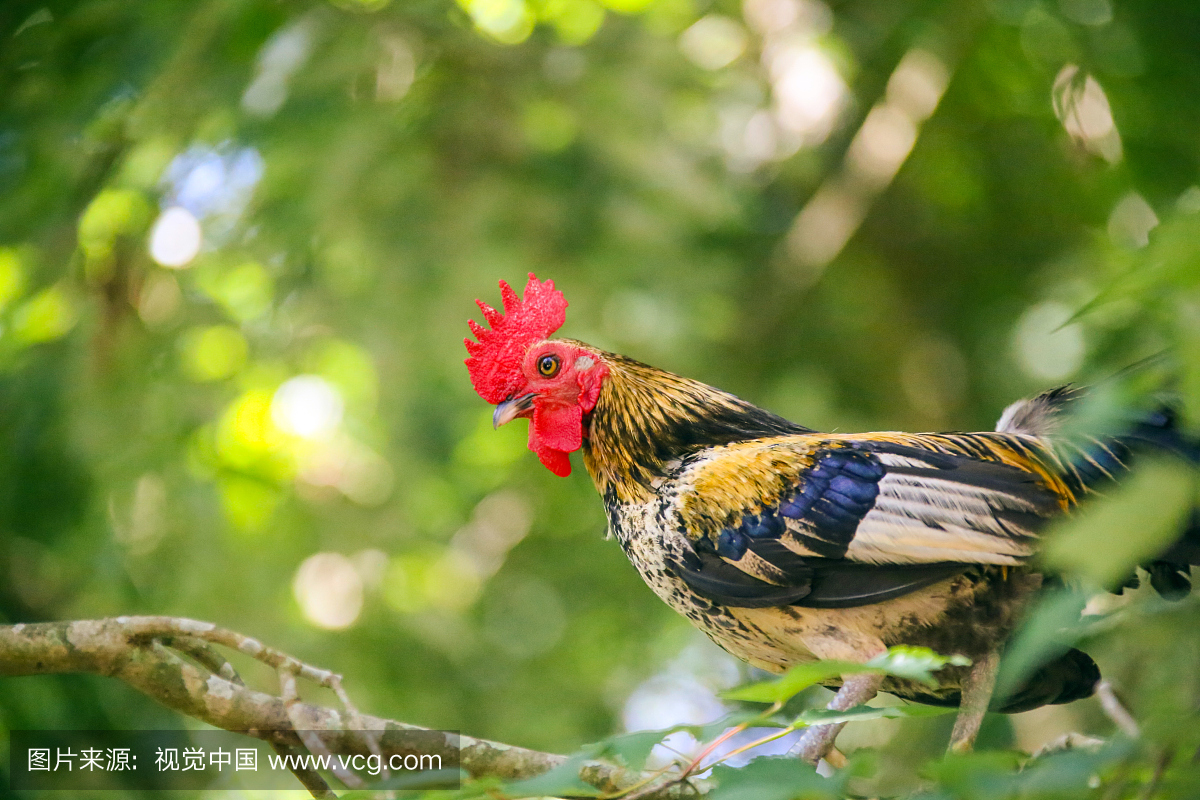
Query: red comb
(495, 362)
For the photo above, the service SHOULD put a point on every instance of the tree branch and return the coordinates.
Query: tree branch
(144, 652)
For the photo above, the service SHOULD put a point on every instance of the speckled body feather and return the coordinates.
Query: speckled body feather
(916, 539)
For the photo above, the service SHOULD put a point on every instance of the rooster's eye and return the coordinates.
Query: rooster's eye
(548, 366)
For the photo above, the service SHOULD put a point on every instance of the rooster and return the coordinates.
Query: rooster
(785, 545)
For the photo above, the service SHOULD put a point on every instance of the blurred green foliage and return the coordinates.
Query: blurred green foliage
(239, 241)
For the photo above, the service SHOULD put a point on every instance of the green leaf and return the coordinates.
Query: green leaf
(1000, 775)
(1051, 628)
(776, 779)
(1107, 539)
(914, 663)
(796, 680)
(632, 749)
(821, 716)
(755, 719)
(979, 776)
(1060, 772)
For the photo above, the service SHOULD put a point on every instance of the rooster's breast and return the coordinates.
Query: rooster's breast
(776, 638)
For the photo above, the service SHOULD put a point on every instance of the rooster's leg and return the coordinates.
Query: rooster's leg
(977, 689)
(818, 740)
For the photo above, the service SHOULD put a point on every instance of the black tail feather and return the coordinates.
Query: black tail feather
(1158, 431)
(1072, 676)
(1171, 573)
(1155, 432)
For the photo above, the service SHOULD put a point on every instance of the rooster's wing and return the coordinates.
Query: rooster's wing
(837, 521)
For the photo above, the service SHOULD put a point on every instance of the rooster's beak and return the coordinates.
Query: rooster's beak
(511, 409)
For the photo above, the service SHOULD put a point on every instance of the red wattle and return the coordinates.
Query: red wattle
(556, 461)
(555, 431)
(557, 426)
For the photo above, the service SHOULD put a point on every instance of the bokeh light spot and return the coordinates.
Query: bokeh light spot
(214, 184)
(575, 21)
(307, 406)
(1046, 346)
(808, 89)
(248, 503)
(280, 57)
(627, 6)
(213, 353)
(245, 291)
(112, 213)
(248, 440)
(159, 298)
(917, 84)
(714, 41)
(883, 143)
(175, 239)
(506, 21)
(771, 16)
(1087, 12)
(141, 529)
(1188, 201)
(46, 316)
(329, 590)
(397, 68)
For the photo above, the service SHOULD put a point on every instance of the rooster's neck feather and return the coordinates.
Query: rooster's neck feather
(646, 420)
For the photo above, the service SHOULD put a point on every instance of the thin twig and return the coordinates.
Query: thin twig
(358, 724)
(209, 658)
(1115, 711)
(649, 786)
(148, 627)
(309, 778)
(724, 737)
(287, 690)
(717, 742)
(272, 657)
(205, 655)
(779, 734)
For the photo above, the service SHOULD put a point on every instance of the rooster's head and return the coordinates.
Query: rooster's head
(524, 373)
